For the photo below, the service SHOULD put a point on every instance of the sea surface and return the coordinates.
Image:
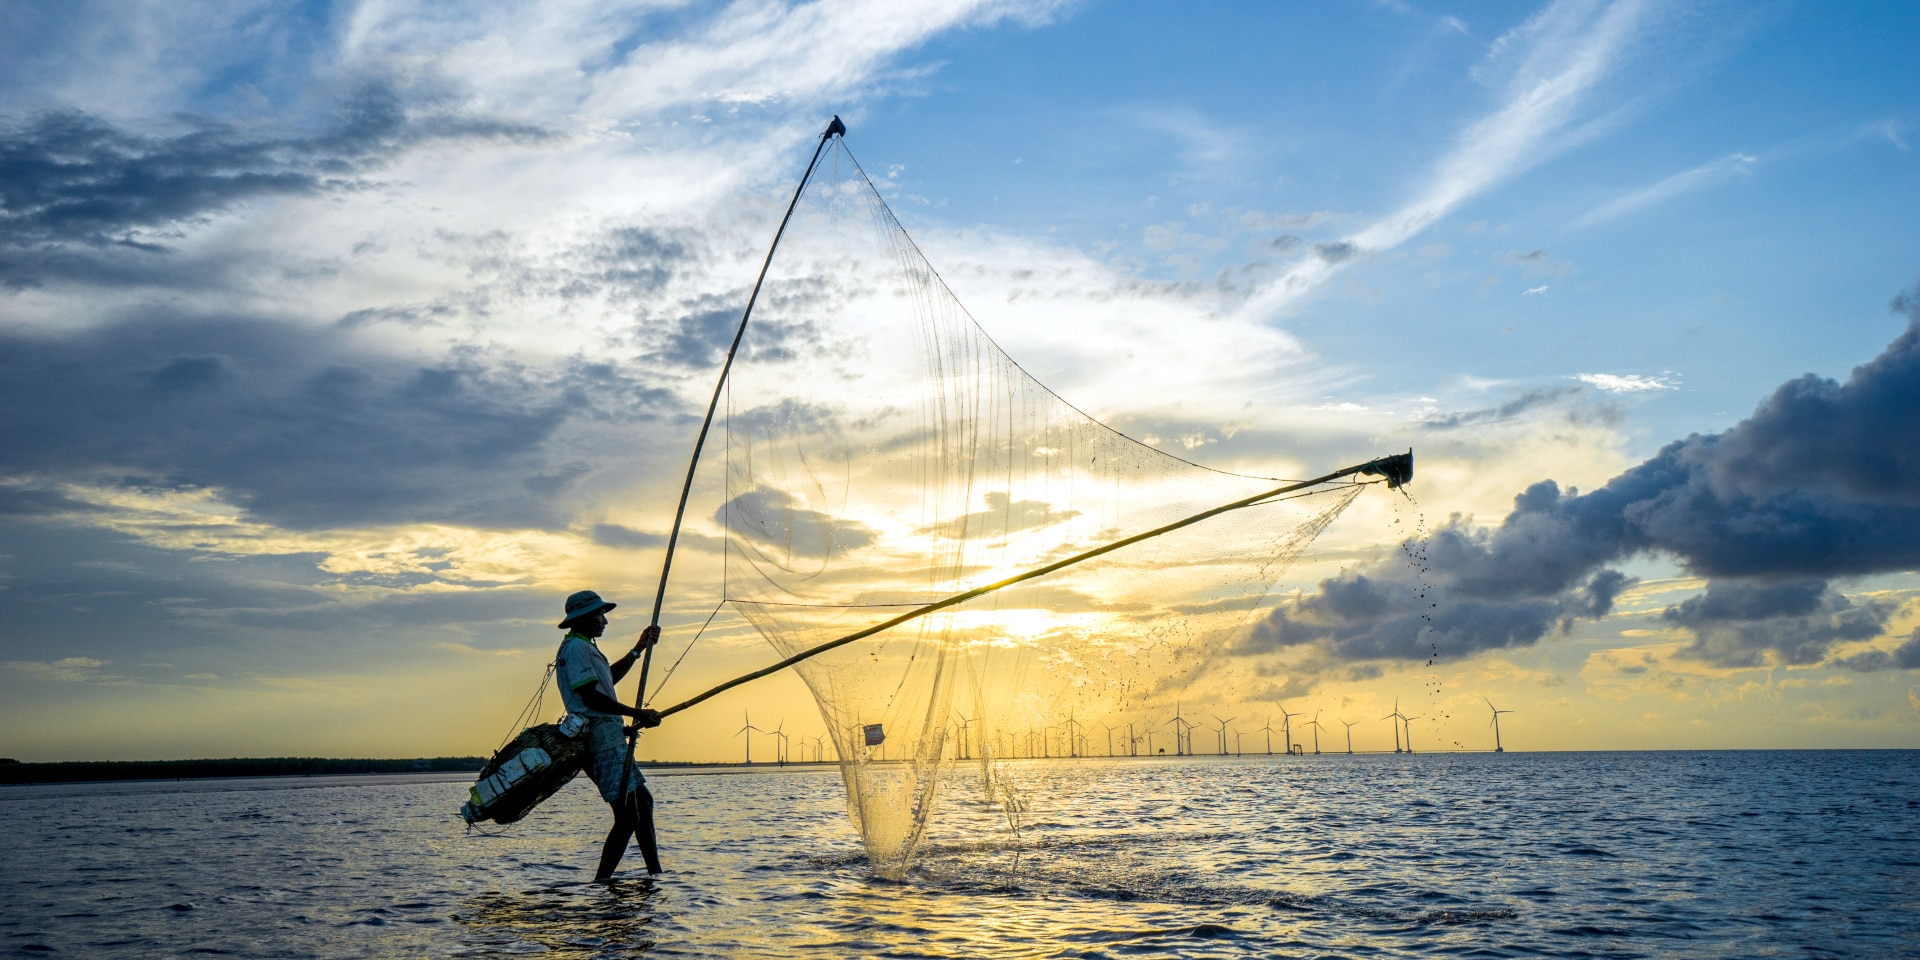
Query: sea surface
(1713, 854)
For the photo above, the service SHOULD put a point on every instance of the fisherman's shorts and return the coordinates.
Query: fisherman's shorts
(609, 762)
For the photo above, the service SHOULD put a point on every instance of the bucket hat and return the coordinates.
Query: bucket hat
(586, 603)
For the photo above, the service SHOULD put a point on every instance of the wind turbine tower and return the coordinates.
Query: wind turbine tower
(1315, 724)
(1223, 731)
(749, 730)
(1396, 718)
(1349, 724)
(1409, 723)
(1267, 728)
(1497, 748)
(1180, 727)
(1286, 726)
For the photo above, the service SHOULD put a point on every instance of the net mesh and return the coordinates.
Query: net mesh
(882, 453)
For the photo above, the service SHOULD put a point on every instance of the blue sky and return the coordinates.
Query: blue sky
(292, 299)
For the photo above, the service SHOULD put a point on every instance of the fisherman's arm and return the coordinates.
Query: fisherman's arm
(647, 639)
(598, 699)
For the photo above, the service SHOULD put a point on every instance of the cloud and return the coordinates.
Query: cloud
(66, 669)
(1550, 65)
(1529, 400)
(1004, 516)
(1906, 656)
(777, 520)
(1533, 291)
(1623, 383)
(299, 426)
(1687, 181)
(76, 190)
(754, 53)
(625, 538)
(1738, 623)
(1821, 482)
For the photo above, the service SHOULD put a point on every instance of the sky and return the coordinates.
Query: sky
(334, 341)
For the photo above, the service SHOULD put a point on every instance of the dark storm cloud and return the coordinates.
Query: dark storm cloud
(83, 199)
(1821, 482)
(1738, 623)
(1904, 657)
(296, 427)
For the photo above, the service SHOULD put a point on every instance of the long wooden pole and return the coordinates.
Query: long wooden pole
(834, 129)
(1397, 469)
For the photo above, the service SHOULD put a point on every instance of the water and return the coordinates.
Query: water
(1796, 854)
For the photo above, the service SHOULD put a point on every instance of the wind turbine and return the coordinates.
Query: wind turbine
(1349, 724)
(780, 742)
(1073, 746)
(1409, 722)
(1286, 725)
(1133, 742)
(749, 730)
(965, 754)
(819, 749)
(1180, 725)
(1315, 724)
(1396, 718)
(1497, 748)
(1267, 728)
(1109, 728)
(1223, 731)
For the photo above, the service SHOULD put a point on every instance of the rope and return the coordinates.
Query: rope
(535, 706)
(683, 653)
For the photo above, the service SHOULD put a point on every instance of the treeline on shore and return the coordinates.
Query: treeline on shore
(13, 771)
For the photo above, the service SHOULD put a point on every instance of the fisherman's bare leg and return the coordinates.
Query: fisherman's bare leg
(643, 827)
(634, 821)
(616, 845)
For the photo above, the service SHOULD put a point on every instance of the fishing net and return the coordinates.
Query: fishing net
(883, 453)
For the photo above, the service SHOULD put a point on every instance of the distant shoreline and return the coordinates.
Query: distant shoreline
(14, 772)
(95, 771)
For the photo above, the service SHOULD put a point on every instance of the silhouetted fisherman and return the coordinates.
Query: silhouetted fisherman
(586, 686)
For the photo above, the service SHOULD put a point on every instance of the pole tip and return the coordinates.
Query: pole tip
(836, 128)
(1397, 469)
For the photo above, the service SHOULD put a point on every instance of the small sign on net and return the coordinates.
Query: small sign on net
(875, 734)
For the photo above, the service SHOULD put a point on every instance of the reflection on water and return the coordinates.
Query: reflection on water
(567, 920)
(1593, 855)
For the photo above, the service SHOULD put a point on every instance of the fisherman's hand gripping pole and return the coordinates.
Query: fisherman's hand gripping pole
(1397, 470)
(834, 129)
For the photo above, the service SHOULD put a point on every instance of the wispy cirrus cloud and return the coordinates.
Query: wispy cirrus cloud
(1686, 181)
(1550, 66)
(1624, 383)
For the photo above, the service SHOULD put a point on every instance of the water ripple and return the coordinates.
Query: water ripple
(1559, 855)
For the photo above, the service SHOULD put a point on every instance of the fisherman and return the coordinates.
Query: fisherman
(586, 686)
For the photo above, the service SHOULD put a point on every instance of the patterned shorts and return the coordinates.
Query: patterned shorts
(608, 762)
